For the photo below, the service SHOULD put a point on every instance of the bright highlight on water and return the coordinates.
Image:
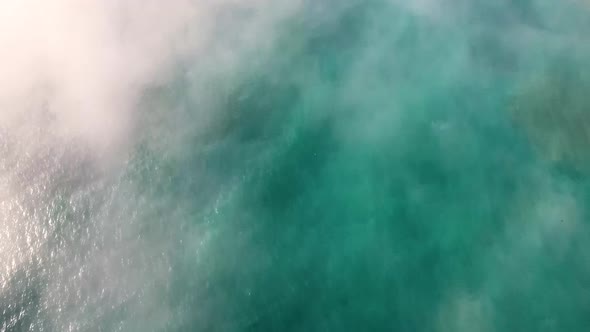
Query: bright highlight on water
(381, 165)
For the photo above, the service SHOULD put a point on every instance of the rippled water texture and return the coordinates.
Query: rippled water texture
(264, 165)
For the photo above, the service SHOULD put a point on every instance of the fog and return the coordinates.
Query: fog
(293, 165)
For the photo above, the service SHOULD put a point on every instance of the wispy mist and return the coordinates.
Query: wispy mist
(293, 165)
(75, 254)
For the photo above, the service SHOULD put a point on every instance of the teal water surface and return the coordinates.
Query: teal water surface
(386, 167)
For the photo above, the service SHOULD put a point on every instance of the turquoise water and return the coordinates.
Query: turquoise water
(384, 167)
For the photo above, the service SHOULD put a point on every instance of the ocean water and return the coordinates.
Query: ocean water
(349, 166)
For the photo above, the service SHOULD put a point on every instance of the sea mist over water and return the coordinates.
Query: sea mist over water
(294, 165)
